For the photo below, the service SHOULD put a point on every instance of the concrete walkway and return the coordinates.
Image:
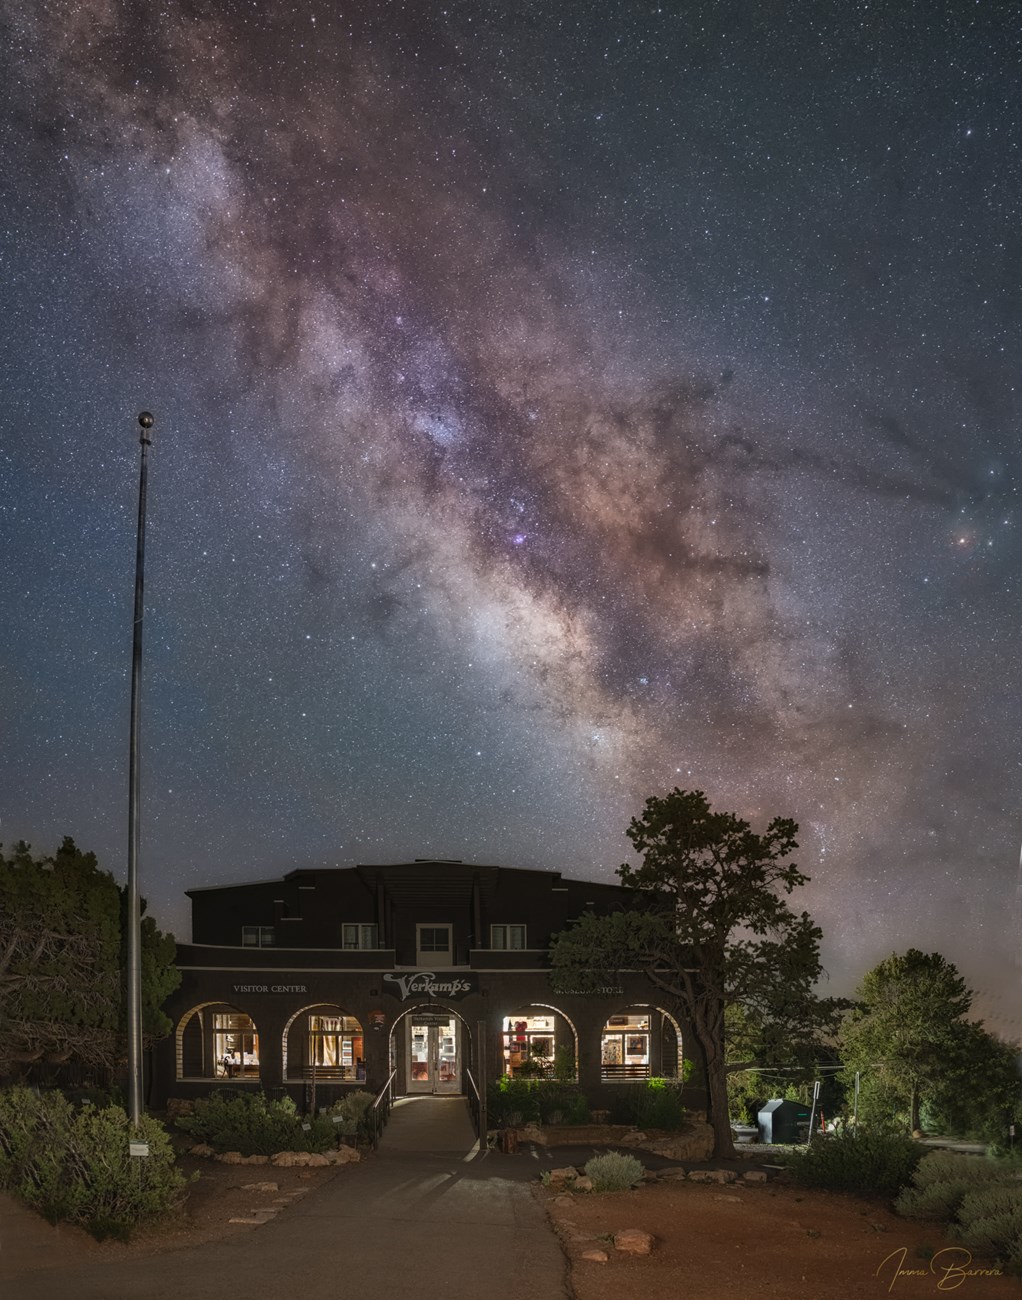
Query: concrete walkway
(429, 1214)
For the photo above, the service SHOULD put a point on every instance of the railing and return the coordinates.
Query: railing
(612, 1073)
(475, 1105)
(379, 1111)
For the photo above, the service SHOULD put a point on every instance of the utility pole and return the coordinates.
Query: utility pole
(135, 1106)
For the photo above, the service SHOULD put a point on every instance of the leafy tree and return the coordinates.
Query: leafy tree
(62, 966)
(979, 1094)
(710, 929)
(907, 1029)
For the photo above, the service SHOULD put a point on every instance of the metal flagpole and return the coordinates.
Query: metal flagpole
(145, 421)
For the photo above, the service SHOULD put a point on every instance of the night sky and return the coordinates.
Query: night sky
(555, 403)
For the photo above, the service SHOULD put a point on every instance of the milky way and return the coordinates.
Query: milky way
(554, 405)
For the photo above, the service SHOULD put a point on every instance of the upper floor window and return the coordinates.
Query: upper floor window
(359, 936)
(507, 936)
(258, 936)
(433, 943)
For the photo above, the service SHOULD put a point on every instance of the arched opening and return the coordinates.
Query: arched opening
(430, 1048)
(325, 1042)
(639, 1042)
(217, 1042)
(539, 1042)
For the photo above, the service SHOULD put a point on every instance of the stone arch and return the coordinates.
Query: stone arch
(216, 1041)
(531, 1037)
(335, 1045)
(640, 1040)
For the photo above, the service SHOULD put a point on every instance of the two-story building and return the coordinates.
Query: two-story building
(337, 977)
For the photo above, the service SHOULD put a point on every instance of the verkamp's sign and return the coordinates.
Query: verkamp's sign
(424, 983)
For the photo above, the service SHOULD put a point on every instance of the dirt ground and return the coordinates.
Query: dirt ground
(761, 1241)
(220, 1193)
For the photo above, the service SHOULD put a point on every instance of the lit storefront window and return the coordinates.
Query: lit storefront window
(624, 1048)
(336, 1047)
(529, 1044)
(235, 1045)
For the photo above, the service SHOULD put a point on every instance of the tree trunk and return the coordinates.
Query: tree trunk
(709, 1030)
(913, 1108)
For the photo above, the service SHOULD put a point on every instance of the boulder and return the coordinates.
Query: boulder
(597, 1256)
(711, 1176)
(285, 1159)
(201, 1149)
(583, 1184)
(568, 1174)
(231, 1158)
(316, 1161)
(754, 1176)
(633, 1241)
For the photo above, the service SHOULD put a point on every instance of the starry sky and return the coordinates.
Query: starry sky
(555, 403)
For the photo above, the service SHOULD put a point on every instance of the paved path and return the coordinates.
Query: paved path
(429, 1215)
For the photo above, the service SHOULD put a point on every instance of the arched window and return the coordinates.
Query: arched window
(326, 1041)
(217, 1041)
(539, 1042)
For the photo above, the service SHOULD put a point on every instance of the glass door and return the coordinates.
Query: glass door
(434, 1064)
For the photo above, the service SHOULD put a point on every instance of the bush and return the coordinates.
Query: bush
(649, 1103)
(990, 1222)
(943, 1179)
(73, 1166)
(253, 1125)
(862, 1160)
(614, 1172)
(512, 1102)
(352, 1110)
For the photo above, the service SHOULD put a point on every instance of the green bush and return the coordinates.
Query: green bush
(990, 1222)
(73, 1166)
(868, 1161)
(352, 1110)
(943, 1179)
(253, 1125)
(512, 1102)
(647, 1103)
(614, 1172)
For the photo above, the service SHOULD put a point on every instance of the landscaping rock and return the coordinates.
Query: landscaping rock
(633, 1241)
(566, 1175)
(285, 1159)
(231, 1158)
(754, 1176)
(316, 1161)
(672, 1175)
(564, 1199)
(201, 1149)
(583, 1184)
(711, 1176)
(597, 1256)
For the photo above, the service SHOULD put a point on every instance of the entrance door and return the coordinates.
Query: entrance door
(434, 1061)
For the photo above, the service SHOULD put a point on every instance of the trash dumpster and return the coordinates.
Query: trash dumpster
(783, 1121)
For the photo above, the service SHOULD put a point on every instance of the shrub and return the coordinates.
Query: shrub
(649, 1103)
(990, 1221)
(73, 1165)
(862, 1160)
(511, 1102)
(252, 1124)
(614, 1172)
(352, 1110)
(942, 1180)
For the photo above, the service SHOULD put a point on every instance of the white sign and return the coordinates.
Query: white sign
(138, 1148)
(426, 983)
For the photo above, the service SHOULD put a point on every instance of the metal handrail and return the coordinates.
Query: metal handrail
(474, 1103)
(380, 1109)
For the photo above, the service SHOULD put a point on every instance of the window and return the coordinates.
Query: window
(433, 943)
(235, 1045)
(336, 1047)
(359, 936)
(529, 1042)
(507, 936)
(624, 1047)
(258, 936)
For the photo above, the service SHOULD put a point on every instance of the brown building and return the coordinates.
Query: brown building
(336, 978)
